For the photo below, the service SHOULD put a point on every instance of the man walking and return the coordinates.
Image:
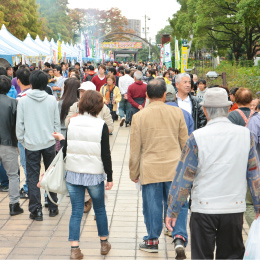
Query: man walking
(155, 149)
(136, 95)
(34, 130)
(8, 144)
(188, 102)
(219, 182)
(124, 105)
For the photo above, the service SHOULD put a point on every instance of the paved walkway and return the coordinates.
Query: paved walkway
(23, 238)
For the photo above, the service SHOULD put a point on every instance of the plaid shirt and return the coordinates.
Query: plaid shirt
(175, 201)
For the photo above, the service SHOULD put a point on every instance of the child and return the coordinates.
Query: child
(202, 88)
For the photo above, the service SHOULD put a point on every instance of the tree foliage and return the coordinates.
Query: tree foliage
(55, 19)
(221, 24)
(21, 17)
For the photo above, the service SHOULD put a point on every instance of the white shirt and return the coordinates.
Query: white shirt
(124, 82)
(185, 104)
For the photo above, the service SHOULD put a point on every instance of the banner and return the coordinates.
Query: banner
(161, 61)
(121, 45)
(93, 48)
(167, 55)
(59, 51)
(87, 46)
(184, 56)
(177, 55)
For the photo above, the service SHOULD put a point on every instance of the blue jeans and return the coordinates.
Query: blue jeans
(154, 196)
(23, 163)
(3, 176)
(77, 198)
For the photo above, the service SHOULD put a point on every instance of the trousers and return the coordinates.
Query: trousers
(224, 230)
(9, 158)
(33, 167)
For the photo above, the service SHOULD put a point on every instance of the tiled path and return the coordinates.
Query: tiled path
(22, 238)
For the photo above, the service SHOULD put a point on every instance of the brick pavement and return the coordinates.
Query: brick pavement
(22, 238)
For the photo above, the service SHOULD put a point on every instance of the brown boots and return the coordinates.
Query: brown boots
(105, 247)
(76, 253)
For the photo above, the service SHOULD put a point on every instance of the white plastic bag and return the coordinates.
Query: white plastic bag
(252, 251)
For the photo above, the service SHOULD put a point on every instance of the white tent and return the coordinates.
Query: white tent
(29, 42)
(15, 43)
(44, 46)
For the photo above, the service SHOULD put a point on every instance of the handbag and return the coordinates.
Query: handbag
(54, 178)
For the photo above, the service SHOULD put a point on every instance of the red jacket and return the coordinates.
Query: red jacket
(136, 90)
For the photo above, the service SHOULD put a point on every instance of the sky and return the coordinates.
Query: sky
(157, 11)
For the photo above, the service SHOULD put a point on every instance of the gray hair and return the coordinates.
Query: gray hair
(214, 112)
(138, 75)
(180, 76)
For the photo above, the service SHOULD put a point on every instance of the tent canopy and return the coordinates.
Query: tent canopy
(29, 42)
(15, 43)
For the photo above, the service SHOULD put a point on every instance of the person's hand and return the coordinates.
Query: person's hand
(106, 102)
(257, 215)
(135, 181)
(76, 114)
(113, 101)
(140, 107)
(170, 223)
(125, 96)
(109, 185)
(58, 136)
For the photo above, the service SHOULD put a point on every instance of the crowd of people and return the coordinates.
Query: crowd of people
(191, 146)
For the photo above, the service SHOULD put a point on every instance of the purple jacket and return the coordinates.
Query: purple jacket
(15, 84)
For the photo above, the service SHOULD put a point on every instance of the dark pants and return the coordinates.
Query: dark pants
(33, 167)
(3, 177)
(224, 230)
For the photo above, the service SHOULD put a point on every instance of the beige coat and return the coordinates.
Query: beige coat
(158, 134)
(104, 114)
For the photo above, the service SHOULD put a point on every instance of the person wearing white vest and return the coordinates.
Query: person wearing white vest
(88, 161)
(219, 160)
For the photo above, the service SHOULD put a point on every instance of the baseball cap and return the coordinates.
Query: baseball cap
(88, 86)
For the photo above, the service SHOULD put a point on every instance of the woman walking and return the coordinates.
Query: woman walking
(87, 164)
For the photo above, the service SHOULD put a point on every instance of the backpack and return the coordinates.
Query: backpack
(241, 113)
(88, 77)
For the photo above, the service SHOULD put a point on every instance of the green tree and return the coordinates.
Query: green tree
(221, 24)
(54, 15)
(20, 17)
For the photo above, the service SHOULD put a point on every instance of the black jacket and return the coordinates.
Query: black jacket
(8, 108)
(198, 115)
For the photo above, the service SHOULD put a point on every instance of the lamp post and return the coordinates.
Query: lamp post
(215, 75)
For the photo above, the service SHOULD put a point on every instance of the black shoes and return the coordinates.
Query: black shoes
(15, 209)
(53, 212)
(23, 194)
(179, 248)
(3, 189)
(37, 215)
(148, 248)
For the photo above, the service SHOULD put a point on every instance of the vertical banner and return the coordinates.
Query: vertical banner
(97, 49)
(184, 59)
(167, 55)
(161, 62)
(87, 46)
(93, 48)
(177, 55)
(59, 50)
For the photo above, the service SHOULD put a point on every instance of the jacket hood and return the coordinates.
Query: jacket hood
(38, 95)
(91, 73)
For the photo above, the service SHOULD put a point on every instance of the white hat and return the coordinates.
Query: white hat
(88, 86)
(216, 97)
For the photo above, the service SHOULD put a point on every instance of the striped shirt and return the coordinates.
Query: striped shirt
(23, 93)
(84, 179)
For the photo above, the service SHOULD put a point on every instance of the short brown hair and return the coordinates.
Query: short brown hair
(111, 77)
(102, 66)
(91, 102)
(243, 96)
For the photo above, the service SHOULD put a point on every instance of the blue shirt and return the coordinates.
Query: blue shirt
(187, 116)
(12, 92)
(175, 201)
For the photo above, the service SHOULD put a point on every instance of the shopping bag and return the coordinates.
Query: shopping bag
(53, 179)
(252, 251)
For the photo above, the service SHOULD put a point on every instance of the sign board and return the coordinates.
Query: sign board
(121, 45)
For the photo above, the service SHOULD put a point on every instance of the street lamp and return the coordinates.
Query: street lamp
(215, 75)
